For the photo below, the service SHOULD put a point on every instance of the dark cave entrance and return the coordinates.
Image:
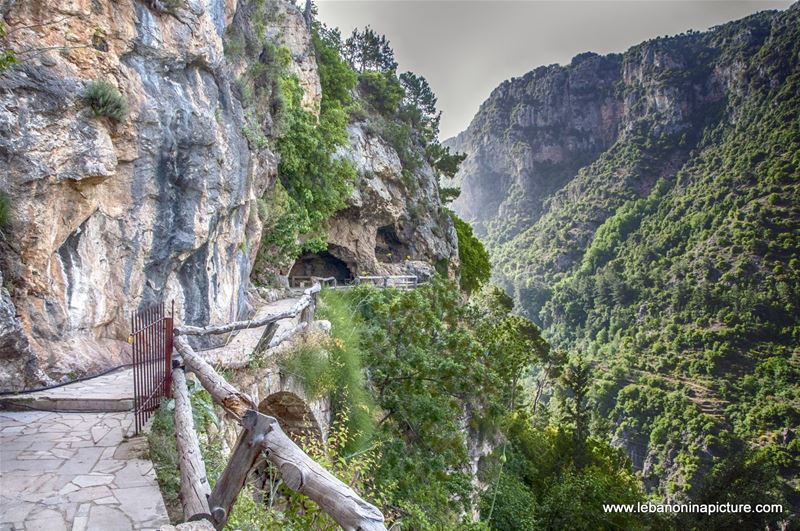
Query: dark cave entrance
(322, 264)
(388, 247)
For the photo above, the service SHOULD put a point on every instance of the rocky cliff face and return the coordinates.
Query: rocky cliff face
(531, 136)
(110, 217)
(395, 224)
(552, 154)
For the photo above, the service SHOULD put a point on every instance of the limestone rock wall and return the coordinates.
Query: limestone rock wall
(110, 217)
(532, 135)
(107, 217)
(530, 138)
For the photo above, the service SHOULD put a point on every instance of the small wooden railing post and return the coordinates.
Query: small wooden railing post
(194, 482)
(243, 457)
(168, 347)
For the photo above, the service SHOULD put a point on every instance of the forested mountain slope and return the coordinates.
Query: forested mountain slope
(644, 209)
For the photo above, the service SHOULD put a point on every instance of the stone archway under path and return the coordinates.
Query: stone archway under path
(283, 397)
(293, 413)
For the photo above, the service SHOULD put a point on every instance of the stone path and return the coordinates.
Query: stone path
(71, 466)
(238, 350)
(61, 471)
(110, 392)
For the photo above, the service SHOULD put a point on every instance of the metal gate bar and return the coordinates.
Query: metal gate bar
(151, 336)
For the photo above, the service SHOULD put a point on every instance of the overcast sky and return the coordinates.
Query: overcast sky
(466, 48)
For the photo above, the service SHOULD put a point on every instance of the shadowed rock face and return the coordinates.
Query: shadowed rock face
(394, 224)
(293, 414)
(109, 217)
(322, 264)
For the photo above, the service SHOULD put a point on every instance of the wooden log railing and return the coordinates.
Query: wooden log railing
(194, 482)
(260, 433)
(308, 299)
(380, 281)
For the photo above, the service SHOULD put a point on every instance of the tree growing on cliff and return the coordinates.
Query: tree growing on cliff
(475, 266)
(382, 90)
(575, 381)
(419, 103)
(367, 50)
(445, 164)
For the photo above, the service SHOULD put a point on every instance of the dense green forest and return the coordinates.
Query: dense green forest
(670, 265)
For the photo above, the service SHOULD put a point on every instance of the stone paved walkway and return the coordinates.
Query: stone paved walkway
(61, 471)
(240, 347)
(110, 392)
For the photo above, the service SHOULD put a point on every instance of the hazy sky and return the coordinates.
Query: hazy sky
(466, 48)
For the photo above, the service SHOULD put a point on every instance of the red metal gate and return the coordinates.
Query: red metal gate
(151, 337)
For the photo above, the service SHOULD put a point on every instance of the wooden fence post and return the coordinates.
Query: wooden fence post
(242, 459)
(194, 482)
(303, 474)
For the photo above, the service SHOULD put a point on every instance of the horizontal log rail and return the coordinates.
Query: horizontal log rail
(260, 433)
(226, 395)
(298, 281)
(308, 298)
(389, 281)
(381, 281)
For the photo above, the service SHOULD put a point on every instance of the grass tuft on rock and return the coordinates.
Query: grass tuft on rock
(164, 454)
(106, 100)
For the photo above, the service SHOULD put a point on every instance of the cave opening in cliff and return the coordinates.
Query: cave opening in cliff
(321, 264)
(388, 246)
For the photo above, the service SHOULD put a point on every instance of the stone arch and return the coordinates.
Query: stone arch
(294, 415)
(321, 264)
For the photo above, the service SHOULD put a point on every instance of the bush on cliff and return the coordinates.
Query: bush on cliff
(314, 182)
(7, 56)
(106, 100)
(382, 90)
(5, 210)
(475, 266)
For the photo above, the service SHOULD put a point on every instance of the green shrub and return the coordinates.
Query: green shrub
(173, 6)
(5, 210)
(106, 100)
(475, 266)
(164, 455)
(350, 393)
(382, 90)
(308, 360)
(7, 56)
